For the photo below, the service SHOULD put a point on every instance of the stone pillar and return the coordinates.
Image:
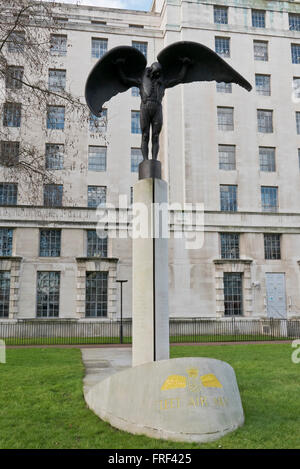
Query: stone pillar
(150, 334)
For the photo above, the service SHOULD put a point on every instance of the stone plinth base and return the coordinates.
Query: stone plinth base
(183, 399)
(150, 169)
(150, 314)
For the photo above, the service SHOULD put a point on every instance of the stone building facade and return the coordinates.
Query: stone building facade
(237, 153)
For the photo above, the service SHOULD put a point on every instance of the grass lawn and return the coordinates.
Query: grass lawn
(42, 403)
(128, 340)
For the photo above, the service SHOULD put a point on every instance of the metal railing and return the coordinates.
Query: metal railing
(195, 330)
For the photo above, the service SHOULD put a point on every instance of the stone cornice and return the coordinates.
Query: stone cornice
(232, 261)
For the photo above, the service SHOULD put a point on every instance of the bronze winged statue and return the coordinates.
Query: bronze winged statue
(182, 62)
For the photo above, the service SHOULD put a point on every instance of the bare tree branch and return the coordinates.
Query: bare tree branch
(27, 28)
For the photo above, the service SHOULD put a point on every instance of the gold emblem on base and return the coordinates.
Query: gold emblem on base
(193, 381)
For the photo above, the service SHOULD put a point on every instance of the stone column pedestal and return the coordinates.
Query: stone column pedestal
(150, 315)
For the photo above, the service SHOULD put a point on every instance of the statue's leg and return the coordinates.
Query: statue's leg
(145, 128)
(156, 129)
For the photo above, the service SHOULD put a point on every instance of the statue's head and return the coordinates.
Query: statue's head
(155, 70)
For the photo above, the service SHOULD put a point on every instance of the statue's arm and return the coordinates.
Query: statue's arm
(127, 81)
(186, 62)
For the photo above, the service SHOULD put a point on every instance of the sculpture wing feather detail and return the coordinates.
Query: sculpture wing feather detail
(206, 65)
(104, 81)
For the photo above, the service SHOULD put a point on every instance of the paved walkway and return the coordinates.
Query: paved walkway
(102, 362)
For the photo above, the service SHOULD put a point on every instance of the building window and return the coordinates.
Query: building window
(8, 193)
(135, 122)
(267, 159)
(136, 26)
(141, 46)
(99, 47)
(136, 159)
(56, 117)
(272, 246)
(98, 22)
(96, 245)
(9, 153)
(16, 41)
(223, 87)
(50, 241)
(96, 196)
(14, 77)
(4, 293)
(225, 118)
(54, 156)
(131, 195)
(230, 245)
(56, 80)
(6, 239)
(12, 115)
(261, 51)
(48, 294)
(269, 199)
(295, 48)
(58, 44)
(296, 87)
(98, 124)
(227, 157)
(258, 18)
(97, 158)
(222, 46)
(96, 294)
(294, 22)
(135, 91)
(299, 156)
(298, 122)
(263, 84)
(233, 293)
(220, 15)
(60, 20)
(228, 198)
(53, 194)
(265, 121)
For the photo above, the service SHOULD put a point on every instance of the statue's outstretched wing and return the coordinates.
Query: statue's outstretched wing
(206, 65)
(104, 81)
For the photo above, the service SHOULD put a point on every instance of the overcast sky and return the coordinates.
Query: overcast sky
(129, 4)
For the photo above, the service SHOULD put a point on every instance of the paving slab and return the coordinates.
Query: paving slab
(100, 363)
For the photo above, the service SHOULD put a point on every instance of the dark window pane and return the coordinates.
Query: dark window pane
(96, 245)
(141, 46)
(4, 293)
(8, 193)
(233, 294)
(228, 196)
(53, 195)
(230, 246)
(48, 285)
(12, 115)
(222, 46)
(96, 196)
(269, 199)
(258, 18)
(272, 246)
(50, 241)
(6, 238)
(220, 15)
(99, 47)
(96, 294)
